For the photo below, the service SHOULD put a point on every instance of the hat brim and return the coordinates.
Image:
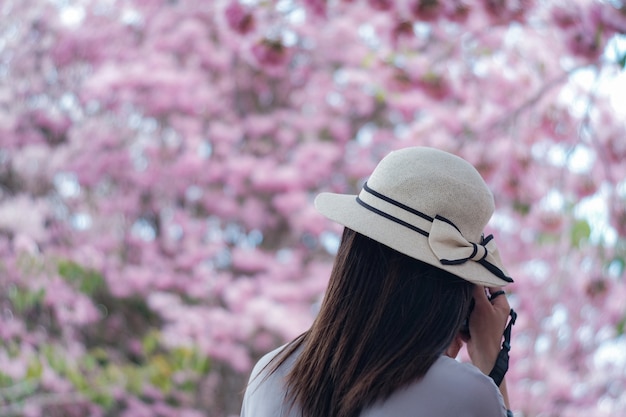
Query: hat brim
(344, 209)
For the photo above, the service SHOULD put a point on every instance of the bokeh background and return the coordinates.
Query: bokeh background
(159, 158)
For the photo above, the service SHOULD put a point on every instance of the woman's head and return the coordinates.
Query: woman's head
(384, 321)
(430, 205)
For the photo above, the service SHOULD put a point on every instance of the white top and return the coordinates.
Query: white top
(449, 389)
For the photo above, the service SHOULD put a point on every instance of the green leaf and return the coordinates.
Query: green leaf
(100, 356)
(134, 380)
(87, 281)
(580, 232)
(34, 370)
(78, 379)
(186, 358)
(202, 364)
(150, 342)
(5, 380)
(182, 357)
(161, 372)
(24, 299)
(55, 360)
(619, 327)
(103, 399)
(521, 207)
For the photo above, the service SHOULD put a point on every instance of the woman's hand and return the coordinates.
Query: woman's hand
(487, 323)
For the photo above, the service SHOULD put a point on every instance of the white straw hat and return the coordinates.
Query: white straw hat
(429, 205)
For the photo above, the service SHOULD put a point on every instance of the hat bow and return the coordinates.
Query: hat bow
(452, 248)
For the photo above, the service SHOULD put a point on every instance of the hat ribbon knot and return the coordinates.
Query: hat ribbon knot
(449, 245)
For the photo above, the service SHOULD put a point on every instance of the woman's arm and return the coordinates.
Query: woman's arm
(487, 323)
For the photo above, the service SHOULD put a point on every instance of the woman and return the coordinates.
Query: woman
(412, 265)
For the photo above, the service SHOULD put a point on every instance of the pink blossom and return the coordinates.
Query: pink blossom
(270, 53)
(24, 215)
(239, 18)
(613, 19)
(260, 125)
(381, 4)
(13, 367)
(250, 260)
(565, 17)
(276, 178)
(290, 204)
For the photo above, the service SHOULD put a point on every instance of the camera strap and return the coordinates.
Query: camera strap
(502, 362)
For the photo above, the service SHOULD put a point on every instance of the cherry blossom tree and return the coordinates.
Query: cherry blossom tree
(158, 162)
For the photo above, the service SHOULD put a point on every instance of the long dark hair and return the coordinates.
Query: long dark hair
(384, 321)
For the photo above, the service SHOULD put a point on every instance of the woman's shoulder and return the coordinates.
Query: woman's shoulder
(265, 360)
(449, 388)
(265, 392)
(459, 372)
(261, 368)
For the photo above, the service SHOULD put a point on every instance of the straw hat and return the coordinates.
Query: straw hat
(429, 205)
